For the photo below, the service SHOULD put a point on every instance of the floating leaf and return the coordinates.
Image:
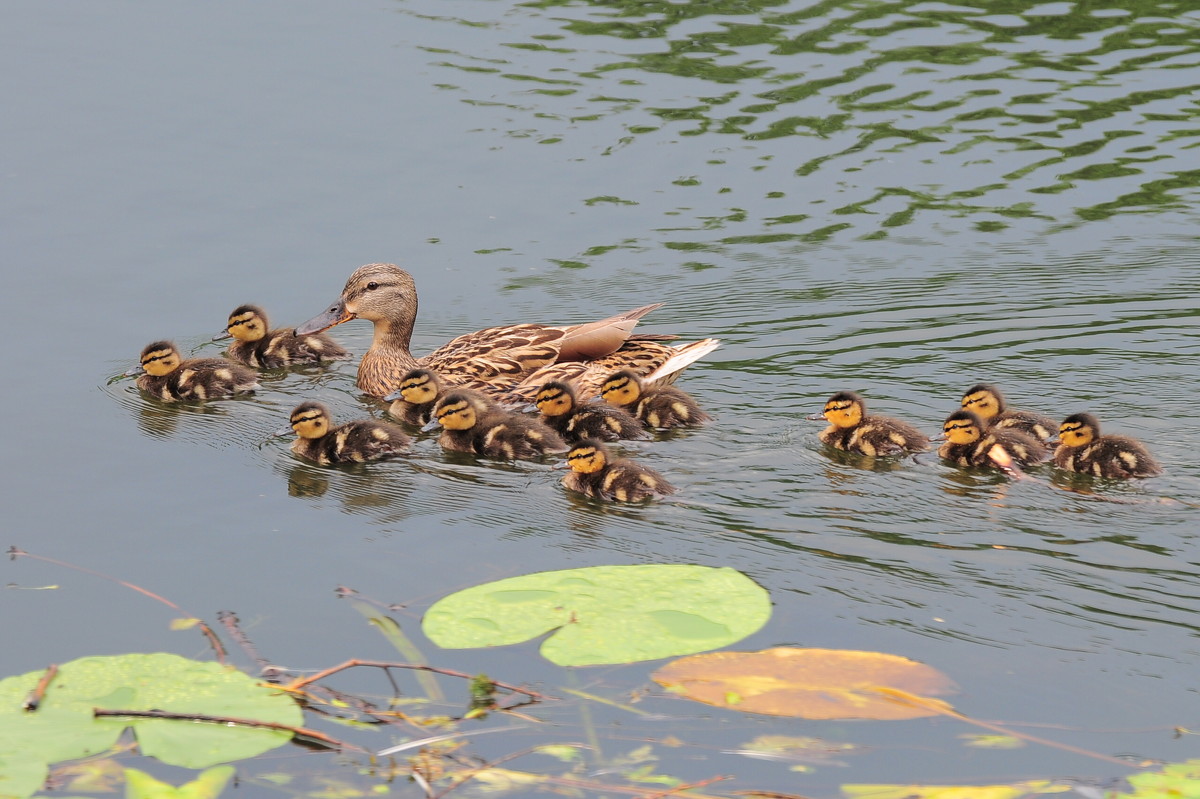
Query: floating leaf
(1171, 782)
(810, 683)
(983, 741)
(605, 614)
(1017, 790)
(210, 783)
(63, 727)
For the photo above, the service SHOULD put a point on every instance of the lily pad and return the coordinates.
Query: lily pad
(1017, 790)
(63, 727)
(809, 683)
(605, 614)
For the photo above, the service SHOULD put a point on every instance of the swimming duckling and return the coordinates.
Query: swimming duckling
(659, 406)
(256, 345)
(986, 401)
(595, 473)
(574, 422)
(413, 402)
(1082, 449)
(353, 442)
(970, 442)
(472, 423)
(851, 429)
(165, 374)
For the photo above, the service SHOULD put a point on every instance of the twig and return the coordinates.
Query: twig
(39, 691)
(391, 750)
(385, 665)
(465, 778)
(229, 619)
(689, 786)
(299, 732)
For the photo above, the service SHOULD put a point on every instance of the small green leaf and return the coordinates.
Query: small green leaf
(210, 783)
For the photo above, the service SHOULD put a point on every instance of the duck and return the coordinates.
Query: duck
(255, 344)
(413, 401)
(353, 442)
(657, 405)
(471, 422)
(853, 430)
(164, 373)
(970, 441)
(986, 401)
(510, 361)
(573, 421)
(1081, 448)
(595, 473)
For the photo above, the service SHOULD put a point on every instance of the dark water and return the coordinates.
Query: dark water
(901, 199)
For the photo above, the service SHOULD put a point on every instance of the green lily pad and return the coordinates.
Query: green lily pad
(605, 614)
(63, 727)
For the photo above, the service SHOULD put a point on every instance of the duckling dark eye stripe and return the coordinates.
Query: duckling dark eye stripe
(547, 396)
(1072, 429)
(841, 406)
(574, 456)
(152, 357)
(308, 417)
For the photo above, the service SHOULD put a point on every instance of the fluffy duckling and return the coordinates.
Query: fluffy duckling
(1082, 449)
(851, 429)
(413, 402)
(971, 442)
(353, 442)
(574, 422)
(659, 406)
(595, 473)
(472, 423)
(256, 345)
(986, 402)
(164, 373)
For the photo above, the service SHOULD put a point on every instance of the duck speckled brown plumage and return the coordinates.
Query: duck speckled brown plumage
(852, 430)
(255, 344)
(472, 423)
(353, 442)
(1082, 449)
(595, 473)
(566, 416)
(512, 361)
(971, 442)
(660, 406)
(167, 376)
(986, 402)
(413, 401)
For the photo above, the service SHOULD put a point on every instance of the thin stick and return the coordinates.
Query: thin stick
(229, 619)
(383, 664)
(39, 692)
(299, 732)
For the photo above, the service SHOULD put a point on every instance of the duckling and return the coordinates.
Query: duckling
(165, 374)
(353, 442)
(574, 422)
(659, 406)
(1082, 449)
(851, 429)
(472, 423)
(986, 401)
(413, 402)
(255, 345)
(595, 473)
(971, 442)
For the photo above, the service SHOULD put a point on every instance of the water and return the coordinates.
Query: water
(900, 199)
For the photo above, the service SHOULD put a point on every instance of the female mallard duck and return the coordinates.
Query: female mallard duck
(595, 473)
(413, 402)
(256, 345)
(986, 402)
(574, 422)
(166, 375)
(851, 429)
(472, 423)
(971, 442)
(513, 360)
(659, 406)
(1082, 449)
(353, 442)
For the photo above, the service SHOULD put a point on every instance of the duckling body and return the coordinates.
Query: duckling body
(353, 442)
(594, 473)
(986, 402)
(658, 406)
(1082, 449)
(512, 360)
(971, 442)
(256, 345)
(574, 422)
(852, 430)
(471, 423)
(166, 375)
(413, 401)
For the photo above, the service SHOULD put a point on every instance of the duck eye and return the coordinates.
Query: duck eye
(372, 286)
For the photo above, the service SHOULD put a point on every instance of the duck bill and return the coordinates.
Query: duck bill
(432, 424)
(283, 431)
(135, 371)
(334, 316)
(224, 334)
(815, 417)
(395, 395)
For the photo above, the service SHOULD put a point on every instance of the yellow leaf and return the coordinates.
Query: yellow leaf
(183, 624)
(1015, 791)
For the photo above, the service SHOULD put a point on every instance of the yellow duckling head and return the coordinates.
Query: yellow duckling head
(247, 323)
(845, 409)
(456, 411)
(587, 457)
(1079, 429)
(621, 388)
(963, 427)
(310, 420)
(160, 358)
(554, 399)
(984, 400)
(418, 387)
